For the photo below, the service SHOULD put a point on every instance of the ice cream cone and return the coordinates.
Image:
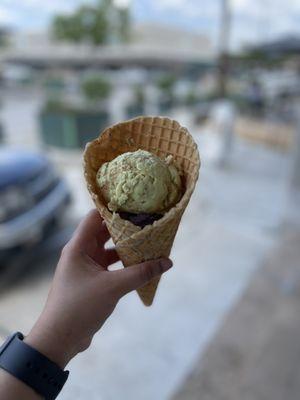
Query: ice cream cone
(161, 136)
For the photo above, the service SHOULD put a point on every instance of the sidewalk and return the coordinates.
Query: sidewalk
(256, 353)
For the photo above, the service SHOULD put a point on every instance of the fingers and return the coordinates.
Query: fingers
(106, 257)
(128, 279)
(90, 228)
(111, 256)
(105, 235)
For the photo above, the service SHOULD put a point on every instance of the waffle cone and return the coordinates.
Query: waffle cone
(161, 136)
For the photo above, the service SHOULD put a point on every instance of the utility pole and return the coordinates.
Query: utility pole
(223, 62)
(226, 108)
(292, 206)
(295, 178)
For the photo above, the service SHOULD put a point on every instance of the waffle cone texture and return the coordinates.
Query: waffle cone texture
(161, 136)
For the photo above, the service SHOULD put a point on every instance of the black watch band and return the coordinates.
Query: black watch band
(32, 367)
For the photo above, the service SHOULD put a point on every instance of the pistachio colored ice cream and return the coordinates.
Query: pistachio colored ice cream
(140, 182)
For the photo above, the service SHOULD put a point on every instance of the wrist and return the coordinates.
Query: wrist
(51, 342)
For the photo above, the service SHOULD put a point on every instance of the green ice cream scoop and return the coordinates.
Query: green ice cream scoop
(140, 182)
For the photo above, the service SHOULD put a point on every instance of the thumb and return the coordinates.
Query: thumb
(131, 278)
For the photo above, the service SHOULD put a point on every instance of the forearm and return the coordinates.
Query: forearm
(12, 388)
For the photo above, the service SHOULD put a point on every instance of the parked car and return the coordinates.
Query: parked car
(33, 198)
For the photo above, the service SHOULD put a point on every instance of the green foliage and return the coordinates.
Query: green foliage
(87, 23)
(55, 105)
(139, 95)
(3, 38)
(211, 96)
(54, 83)
(124, 24)
(191, 97)
(257, 57)
(166, 83)
(96, 88)
(93, 23)
(239, 99)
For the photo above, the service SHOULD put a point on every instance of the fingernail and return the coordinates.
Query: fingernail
(165, 264)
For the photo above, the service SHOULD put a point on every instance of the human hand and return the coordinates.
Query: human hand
(84, 293)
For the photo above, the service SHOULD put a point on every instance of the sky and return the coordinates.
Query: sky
(252, 20)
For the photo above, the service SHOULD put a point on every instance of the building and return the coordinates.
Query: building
(152, 46)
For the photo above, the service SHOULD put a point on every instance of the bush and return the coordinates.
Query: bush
(55, 105)
(191, 98)
(139, 95)
(96, 88)
(166, 84)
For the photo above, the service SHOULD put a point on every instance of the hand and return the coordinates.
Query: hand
(84, 293)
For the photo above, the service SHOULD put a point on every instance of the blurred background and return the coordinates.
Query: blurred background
(225, 321)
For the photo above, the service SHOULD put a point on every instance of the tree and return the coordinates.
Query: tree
(93, 23)
(124, 24)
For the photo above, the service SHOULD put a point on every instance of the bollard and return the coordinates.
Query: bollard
(225, 119)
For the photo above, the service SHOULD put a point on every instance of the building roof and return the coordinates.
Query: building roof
(151, 45)
(170, 37)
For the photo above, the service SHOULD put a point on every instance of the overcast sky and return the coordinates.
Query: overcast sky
(253, 20)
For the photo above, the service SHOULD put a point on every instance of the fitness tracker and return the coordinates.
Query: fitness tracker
(32, 367)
